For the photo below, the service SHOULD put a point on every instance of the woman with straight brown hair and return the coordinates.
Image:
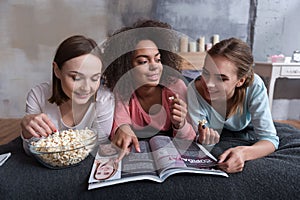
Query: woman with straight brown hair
(229, 95)
(75, 99)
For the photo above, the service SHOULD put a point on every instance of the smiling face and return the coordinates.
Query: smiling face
(219, 79)
(147, 67)
(104, 172)
(80, 77)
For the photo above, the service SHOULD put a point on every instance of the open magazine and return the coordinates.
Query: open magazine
(160, 157)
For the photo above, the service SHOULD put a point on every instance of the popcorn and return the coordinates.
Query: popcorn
(64, 148)
(171, 98)
(202, 123)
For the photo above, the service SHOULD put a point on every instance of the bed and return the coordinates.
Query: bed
(276, 176)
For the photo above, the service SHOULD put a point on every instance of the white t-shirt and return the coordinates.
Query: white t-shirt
(98, 117)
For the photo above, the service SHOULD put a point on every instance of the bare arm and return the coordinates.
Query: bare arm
(233, 159)
(123, 139)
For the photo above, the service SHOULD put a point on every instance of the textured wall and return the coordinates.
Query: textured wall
(228, 18)
(31, 30)
(277, 28)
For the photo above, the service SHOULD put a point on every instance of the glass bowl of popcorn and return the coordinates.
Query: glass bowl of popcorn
(64, 148)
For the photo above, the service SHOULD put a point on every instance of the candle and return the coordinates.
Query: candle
(184, 44)
(192, 46)
(202, 44)
(216, 39)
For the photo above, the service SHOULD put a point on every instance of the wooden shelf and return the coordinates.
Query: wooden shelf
(193, 60)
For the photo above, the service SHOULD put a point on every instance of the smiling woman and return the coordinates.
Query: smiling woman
(76, 100)
(80, 78)
(147, 64)
(229, 95)
(144, 75)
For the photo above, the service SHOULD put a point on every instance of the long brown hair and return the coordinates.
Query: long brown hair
(239, 53)
(71, 47)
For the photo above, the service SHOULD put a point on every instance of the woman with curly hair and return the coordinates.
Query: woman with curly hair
(143, 72)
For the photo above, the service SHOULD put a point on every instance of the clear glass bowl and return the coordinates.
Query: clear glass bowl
(63, 149)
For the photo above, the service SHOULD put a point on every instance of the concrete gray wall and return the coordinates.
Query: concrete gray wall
(31, 30)
(228, 18)
(277, 28)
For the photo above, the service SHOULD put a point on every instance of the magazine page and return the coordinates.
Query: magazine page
(137, 163)
(104, 168)
(196, 158)
(160, 157)
(194, 155)
(165, 153)
(178, 156)
(135, 166)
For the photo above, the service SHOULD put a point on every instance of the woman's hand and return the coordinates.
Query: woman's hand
(207, 135)
(37, 125)
(178, 112)
(233, 159)
(123, 139)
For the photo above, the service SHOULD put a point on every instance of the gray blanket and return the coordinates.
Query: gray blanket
(276, 176)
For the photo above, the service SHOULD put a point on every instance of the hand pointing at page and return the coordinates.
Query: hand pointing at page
(124, 139)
